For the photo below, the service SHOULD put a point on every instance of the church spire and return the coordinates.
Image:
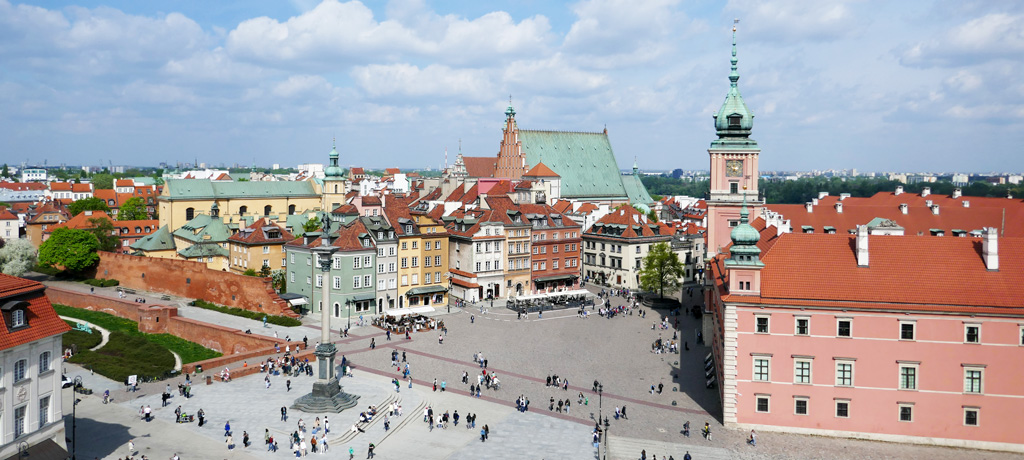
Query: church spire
(734, 76)
(734, 121)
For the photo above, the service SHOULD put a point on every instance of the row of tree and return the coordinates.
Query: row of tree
(133, 208)
(807, 188)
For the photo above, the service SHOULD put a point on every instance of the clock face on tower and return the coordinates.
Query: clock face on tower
(734, 168)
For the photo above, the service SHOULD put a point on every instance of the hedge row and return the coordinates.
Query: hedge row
(272, 319)
(102, 282)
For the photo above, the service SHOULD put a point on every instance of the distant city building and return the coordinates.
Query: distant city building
(33, 175)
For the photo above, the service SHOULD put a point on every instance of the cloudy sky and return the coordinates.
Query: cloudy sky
(872, 85)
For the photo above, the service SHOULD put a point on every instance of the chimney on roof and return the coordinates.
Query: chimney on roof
(810, 206)
(899, 189)
(928, 203)
(815, 201)
(926, 191)
(822, 195)
(990, 248)
(957, 192)
(903, 208)
(935, 209)
(839, 207)
(862, 245)
(967, 203)
(843, 196)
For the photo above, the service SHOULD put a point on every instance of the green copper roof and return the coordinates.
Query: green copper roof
(744, 250)
(333, 171)
(190, 189)
(734, 121)
(159, 240)
(635, 190)
(585, 162)
(204, 228)
(203, 250)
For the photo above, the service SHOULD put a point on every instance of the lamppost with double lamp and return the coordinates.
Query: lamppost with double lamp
(606, 427)
(327, 395)
(75, 385)
(600, 411)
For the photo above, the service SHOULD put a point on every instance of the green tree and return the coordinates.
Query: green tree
(6, 172)
(105, 233)
(17, 257)
(88, 204)
(662, 271)
(311, 225)
(103, 181)
(71, 248)
(249, 272)
(133, 208)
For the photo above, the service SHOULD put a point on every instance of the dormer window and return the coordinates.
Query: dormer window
(17, 318)
(734, 120)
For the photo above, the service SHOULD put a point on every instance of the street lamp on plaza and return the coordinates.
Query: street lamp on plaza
(348, 306)
(600, 410)
(327, 395)
(77, 383)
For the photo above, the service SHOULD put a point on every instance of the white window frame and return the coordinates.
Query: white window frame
(356, 262)
(796, 325)
(916, 366)
(356, 280)
(807, 405)
(977, 415)
(336, 262)
(757, 403)
(45, 362)
(367, 261)
(796, 370)
(319, 280)
(767, 323)
(415, 278)
(367, 281)
(20, 423)
(980, 369)
(337, 282)
(756, 375)
(17, 318)
(967, 327)
(437, 277)
(839, 401)
(291, 277)
(20, 372)
(45, 410)
(913, 330)
(841, 362)
(899, 411)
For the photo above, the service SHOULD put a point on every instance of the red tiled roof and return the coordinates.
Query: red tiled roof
(126, 228)
(632, 220)
(41, 318)
(257, 233)
(392, 171)
(224, 177)
(540, 170)
(81, 188)
(124, 183)
(23, 186)
(371, 201)
(462, 273)
(480, 166)
(346, 209)
(355, 170)
(6, 214)
(60, 186)
(346, 238)
(465, 284)
(81, 221)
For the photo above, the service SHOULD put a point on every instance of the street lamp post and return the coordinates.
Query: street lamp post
(348, 306)
(74, 414)
(600, 410)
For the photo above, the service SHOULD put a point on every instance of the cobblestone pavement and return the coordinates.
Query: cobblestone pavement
(522, 352)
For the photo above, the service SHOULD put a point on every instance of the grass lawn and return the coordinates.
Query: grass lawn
(129, 351)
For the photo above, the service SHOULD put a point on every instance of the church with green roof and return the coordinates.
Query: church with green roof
(584, 161)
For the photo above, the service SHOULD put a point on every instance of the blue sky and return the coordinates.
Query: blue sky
(872, 85)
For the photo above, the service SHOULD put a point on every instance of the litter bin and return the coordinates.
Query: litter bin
(199, 368)
(209, 380)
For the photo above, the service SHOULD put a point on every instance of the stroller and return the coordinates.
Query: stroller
(185, 418)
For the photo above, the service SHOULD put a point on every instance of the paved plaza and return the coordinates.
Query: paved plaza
(522, 352)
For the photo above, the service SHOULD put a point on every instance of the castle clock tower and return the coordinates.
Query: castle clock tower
(734, 168)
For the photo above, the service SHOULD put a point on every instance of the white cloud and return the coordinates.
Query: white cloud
(621, 33)
(303, 85)
(986, 38)
(212, 66)
(433, 80)
(796, 20)
(552, 76)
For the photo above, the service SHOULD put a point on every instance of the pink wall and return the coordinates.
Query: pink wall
(874, 399)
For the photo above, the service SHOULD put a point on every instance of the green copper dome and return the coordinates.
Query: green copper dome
(333, 171)
(744, 250)
(734, 121)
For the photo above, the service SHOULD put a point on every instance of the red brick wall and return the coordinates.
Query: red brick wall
(231, 342)
(193, 280)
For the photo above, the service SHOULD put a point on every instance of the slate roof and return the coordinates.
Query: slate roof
(41, 318)
(584, 161)
(160, 240)
(190, 189)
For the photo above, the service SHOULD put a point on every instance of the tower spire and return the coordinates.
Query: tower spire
(734, 76)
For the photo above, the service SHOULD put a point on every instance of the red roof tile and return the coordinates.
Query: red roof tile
(23, 186)
(480, 166)
(259, 233)
(41, 318)
(540, 170)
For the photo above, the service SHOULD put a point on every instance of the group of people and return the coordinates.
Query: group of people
(441, 421)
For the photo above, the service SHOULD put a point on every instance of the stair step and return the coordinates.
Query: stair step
(629, 448)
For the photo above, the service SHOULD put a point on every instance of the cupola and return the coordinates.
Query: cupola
(744, 250)
(734, 121)
(333, 171)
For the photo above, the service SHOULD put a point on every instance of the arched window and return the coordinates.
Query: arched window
(17, 318)
(337, 310)
(266, 210)
(242, 210)
(291, 209)
(110, 202)
(138, 229)
(190, 213)
(335, 188)
(44, 361)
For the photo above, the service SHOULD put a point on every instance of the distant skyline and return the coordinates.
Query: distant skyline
(871, 85)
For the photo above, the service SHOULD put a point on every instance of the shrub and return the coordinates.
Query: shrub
(83, 340)
(272, 319)
(104, 320)
(190, 352)
(102, 282)
(127, 354)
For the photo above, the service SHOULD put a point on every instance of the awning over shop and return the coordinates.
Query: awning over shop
(465, 284)
(546, 295)
(409, 311)
(556, 278)
(426, 290)
(362, 297)
(294, 299)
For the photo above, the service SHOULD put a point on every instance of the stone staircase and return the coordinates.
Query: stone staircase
(620, 448)
(348, 435)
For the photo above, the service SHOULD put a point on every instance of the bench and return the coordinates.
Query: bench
(165, 297)
(83, 327)
(126, 290)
